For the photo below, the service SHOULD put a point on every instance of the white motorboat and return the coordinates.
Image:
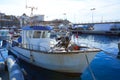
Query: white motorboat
(36, 47)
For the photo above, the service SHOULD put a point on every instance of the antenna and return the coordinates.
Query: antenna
(32, 8)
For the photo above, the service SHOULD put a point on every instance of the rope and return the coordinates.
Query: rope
(93, 76)
(92, 73)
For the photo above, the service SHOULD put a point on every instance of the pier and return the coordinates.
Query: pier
(103, 22)
(99, 28)
(114, 33)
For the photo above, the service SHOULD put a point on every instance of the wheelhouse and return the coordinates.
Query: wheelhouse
(36, 36)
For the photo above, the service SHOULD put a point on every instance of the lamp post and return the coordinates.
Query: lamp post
(92, 13)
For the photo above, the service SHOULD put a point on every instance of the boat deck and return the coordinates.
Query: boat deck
(58, 50)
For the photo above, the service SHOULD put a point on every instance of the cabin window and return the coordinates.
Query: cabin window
(29, 34)
(37, 34)
(43, 35)
(48, 34)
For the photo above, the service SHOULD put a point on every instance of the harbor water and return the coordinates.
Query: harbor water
(105, 65)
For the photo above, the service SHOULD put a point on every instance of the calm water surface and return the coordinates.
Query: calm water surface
(104, 66)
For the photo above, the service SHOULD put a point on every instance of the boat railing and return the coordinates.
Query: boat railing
(30, 46)
(34, 47)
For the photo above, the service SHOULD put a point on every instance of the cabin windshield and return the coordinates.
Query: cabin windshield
(48, 34)
(41, 34)
(36, 34)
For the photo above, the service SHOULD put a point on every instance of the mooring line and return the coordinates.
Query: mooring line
(90, 69)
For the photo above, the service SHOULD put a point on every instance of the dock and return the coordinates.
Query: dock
(114, 33)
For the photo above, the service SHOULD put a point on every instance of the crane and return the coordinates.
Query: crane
(31, 15)
(32, 8)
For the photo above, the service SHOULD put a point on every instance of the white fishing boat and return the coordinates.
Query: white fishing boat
(36, 47)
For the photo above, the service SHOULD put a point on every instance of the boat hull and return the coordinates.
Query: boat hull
(62, 62)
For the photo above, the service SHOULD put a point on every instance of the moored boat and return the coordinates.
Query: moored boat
(37, 47)
(4, 34)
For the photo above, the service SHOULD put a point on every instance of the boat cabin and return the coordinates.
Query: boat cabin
(37, 37)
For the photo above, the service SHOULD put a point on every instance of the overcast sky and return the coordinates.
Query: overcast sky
(75, 10)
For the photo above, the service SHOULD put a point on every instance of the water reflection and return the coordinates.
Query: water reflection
(106, 43)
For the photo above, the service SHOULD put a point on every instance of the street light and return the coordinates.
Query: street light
(92, 13)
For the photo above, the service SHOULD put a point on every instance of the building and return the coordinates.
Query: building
(37, 18)
(8, 20)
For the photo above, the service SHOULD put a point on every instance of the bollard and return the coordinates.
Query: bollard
(118, 56)
(15, 72)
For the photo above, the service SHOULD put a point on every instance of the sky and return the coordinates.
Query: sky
(76, 11)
